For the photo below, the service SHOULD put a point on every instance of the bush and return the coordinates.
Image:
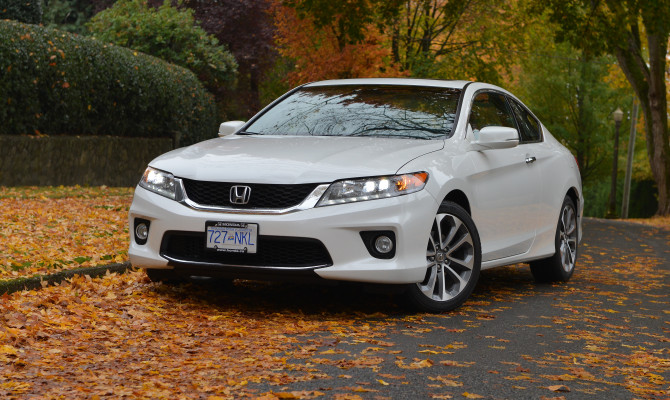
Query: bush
(167, 33)
(68, 15)
(29, 11)
(53, 82)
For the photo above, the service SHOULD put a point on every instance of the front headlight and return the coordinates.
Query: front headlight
(379, 187)
(158, 181)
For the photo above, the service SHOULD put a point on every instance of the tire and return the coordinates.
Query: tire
(560, 266)
(164, 275)
(453, 261)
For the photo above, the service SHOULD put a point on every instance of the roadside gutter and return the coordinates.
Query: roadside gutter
(39, 281)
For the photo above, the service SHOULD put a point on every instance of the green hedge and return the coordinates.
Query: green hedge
(56, 83)
(29, 11)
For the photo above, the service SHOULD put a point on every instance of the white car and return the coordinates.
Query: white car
(415, 182)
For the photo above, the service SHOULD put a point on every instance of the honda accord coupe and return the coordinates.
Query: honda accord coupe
(409, 182)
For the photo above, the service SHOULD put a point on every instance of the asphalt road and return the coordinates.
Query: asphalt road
(604, 334)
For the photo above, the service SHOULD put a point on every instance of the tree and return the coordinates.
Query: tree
(453, 38)
(573, 95)
(246, 27)
(334, 50)
(624, 28)
(167, 33)
(450, 39)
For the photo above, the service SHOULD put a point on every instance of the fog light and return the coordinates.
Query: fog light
(383, 244)
(142, 231)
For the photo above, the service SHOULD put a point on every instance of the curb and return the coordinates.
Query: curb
(14, 285)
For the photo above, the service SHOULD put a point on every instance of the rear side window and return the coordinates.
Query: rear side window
(490, 109)
(529, 127)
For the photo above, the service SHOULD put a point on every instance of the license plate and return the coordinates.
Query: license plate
(232, 237)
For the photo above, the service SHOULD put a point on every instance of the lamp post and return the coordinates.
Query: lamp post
(617, 115)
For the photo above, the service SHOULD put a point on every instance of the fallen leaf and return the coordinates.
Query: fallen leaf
(558, 388)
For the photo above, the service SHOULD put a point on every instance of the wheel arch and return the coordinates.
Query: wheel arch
(573, 194)
(459, 197)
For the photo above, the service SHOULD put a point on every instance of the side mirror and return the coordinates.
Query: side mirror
(495, 137)
(230, 127)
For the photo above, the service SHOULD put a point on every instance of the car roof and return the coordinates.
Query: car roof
(392, 81)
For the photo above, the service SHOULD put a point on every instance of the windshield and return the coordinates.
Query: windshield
(382, 111)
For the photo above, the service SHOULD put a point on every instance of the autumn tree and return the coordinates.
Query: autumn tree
(334, 48)
(454, 39)
(449, 39)
(637, 33)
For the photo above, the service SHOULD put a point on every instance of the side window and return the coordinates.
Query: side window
(529, 127)
(490, 109)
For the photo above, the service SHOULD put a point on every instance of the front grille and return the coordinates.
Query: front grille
(273, 251)
(267, 196)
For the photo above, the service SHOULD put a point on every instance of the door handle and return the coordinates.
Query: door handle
(530, 159)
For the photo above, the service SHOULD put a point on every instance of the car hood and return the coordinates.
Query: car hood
(292, 159)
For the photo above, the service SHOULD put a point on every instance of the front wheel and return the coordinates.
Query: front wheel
(560, 266)
(453, 261)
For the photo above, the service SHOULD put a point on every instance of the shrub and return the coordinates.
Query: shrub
(168, 33)
(29, 11)
(68, 15)
(53, 82)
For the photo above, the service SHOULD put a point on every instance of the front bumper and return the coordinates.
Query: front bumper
(338, 227)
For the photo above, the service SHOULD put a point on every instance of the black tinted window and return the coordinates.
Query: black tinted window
(490, 109)
(383, 111)
(529, 127)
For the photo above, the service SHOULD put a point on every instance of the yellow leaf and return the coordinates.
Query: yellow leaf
(382, 382)
(7, 349)
(285, 395)
(472, 396)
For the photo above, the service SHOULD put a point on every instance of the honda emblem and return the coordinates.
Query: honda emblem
(240, 194)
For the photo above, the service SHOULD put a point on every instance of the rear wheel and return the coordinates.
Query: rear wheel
(560, 266)
(453, 261)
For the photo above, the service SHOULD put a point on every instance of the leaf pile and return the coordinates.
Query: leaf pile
(45, 230)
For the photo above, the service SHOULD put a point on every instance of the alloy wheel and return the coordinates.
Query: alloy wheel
(568, 238)
(450, 258)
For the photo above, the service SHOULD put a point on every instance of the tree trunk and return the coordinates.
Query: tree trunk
(658, 147)
(649, 85)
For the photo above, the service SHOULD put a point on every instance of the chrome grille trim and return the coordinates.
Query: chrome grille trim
(262, 267)
(309, 202)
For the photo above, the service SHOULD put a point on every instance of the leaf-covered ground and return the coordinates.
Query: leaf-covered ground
(605, 334)
(48, 229)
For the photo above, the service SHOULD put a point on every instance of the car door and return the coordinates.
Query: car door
(504, 183)
(541, 157)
